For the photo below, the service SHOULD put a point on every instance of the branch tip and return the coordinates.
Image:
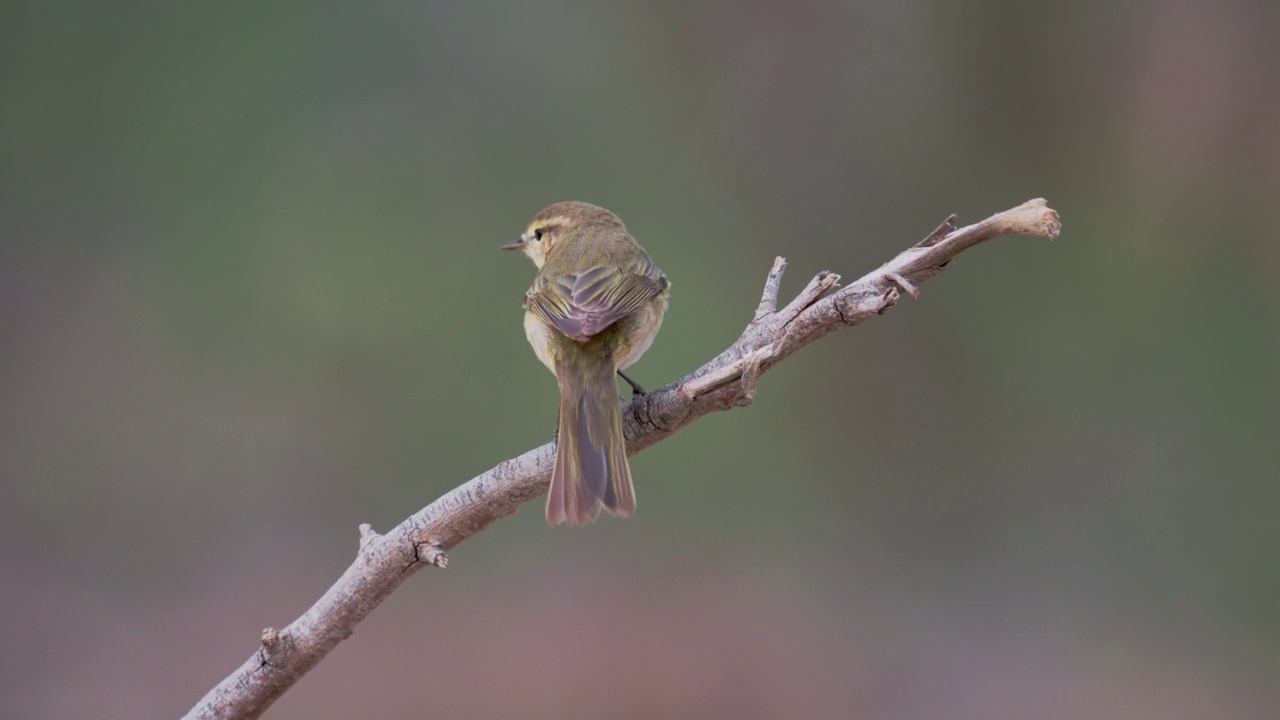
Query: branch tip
(947, 227)
(1033, 217)
(769, 300)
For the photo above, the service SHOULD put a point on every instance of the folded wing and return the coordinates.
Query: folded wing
(582, 305)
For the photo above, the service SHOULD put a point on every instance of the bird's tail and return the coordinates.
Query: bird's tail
(591, 454)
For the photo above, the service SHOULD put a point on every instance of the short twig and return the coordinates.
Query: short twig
(772, 284)
(817, 287)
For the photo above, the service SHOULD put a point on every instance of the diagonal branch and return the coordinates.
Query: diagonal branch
(383, 562)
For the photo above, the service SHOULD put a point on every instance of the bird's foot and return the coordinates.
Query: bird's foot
(636, 390)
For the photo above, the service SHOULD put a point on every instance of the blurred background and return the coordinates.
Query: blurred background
(250, 297)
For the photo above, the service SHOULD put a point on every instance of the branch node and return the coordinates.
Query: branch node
(903, 283)
(751, 375)
(888, 300)
(270, 639)
(367, 535)
(275, 645)
(433, 555)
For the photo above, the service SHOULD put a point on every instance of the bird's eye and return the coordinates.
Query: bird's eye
(537, 234)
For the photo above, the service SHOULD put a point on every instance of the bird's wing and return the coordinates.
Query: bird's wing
(583, 304)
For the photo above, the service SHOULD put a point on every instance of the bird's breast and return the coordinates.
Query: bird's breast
(542, 337)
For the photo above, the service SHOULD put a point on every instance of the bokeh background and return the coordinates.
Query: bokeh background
(250, 297)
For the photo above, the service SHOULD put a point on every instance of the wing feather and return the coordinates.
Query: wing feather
(582, 305)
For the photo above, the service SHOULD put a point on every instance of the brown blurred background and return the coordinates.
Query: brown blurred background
(250, 296)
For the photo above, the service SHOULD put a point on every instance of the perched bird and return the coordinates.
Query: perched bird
(593, 309)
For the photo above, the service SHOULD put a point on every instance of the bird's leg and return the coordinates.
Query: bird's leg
(636, 390)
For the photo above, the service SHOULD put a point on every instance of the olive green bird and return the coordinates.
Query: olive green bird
(593, 310)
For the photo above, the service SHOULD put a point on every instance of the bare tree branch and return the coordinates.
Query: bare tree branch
(383, 562)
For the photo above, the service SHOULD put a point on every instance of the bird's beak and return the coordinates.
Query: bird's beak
(517, 244)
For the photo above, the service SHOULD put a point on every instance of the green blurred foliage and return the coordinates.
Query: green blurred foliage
(250, 297)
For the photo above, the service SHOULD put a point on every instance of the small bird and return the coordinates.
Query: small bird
(593, 310)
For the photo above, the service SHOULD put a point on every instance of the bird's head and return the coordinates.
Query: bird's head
(556, 223)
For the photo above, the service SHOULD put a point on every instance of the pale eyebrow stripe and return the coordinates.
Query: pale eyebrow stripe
(550, 222)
